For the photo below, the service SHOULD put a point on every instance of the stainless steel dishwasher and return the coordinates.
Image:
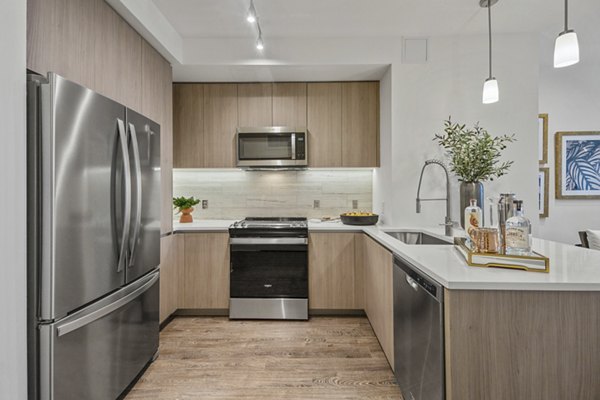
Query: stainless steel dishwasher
(418, 333)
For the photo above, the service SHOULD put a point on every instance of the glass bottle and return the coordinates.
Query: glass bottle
(472, 219)
(518, 231)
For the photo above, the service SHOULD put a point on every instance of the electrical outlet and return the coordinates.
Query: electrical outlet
(204, 204)
(355, 204)
(316, 203)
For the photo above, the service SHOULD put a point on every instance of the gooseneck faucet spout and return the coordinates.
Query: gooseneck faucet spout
(448, 221)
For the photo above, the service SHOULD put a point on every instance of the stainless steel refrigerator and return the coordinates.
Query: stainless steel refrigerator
(93, 209)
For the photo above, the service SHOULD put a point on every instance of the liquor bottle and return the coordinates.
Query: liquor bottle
(518, 231)
(472, 219)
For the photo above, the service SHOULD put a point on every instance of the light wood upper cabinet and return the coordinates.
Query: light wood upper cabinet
(342, 119)
(188, 125)
(379, 296)
(325, 124)
(220, 124)
(255, 104)
(360, 124)
(206, 271)
(118, 52)
(156, 92)
(335, 278)
(61, 38)
(289, 104)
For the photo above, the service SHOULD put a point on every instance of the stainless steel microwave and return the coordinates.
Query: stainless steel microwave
(272, 147)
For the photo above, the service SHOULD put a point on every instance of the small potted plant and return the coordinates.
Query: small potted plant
(185, 206)
(474, 158)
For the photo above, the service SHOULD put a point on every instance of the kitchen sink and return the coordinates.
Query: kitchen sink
(417, 238)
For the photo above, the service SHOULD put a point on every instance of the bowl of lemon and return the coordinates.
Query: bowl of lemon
(359, 218)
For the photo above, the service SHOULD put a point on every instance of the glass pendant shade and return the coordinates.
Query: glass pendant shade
(491, 94)
(566, 49)
(259, 43)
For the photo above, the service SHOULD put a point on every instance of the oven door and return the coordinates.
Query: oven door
(269, 268)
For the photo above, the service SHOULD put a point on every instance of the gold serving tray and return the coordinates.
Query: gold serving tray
(535, 262)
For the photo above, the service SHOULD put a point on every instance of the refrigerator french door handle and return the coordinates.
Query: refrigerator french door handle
(96, 315)
(138, 195)
(127, 212)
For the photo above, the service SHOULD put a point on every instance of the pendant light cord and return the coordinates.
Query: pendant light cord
(490, 34)
(566, 15)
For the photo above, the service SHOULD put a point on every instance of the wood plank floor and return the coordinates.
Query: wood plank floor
(214, 358)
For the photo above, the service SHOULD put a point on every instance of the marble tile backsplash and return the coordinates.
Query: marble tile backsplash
(237, 194)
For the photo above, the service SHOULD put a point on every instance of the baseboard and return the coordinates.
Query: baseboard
(201, 312)
(336, 313)
(166, 322)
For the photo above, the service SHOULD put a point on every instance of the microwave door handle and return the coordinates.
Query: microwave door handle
(293, 146)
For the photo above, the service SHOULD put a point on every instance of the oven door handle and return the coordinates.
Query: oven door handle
(270, 241)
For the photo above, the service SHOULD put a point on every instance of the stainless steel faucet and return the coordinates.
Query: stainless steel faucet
(447, 221)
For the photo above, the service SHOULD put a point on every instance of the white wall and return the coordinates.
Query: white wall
(451, 83)
(571, 97)
(13, 379)
(382, 177)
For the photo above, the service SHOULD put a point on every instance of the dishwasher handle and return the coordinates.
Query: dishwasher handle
(413, 284)
(416, 279)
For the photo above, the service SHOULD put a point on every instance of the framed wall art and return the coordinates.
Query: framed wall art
(543, 139)
(543, 191)
(577, 165)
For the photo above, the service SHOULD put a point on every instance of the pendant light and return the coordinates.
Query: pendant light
(491, 93)
(251, 18)
(566, 47)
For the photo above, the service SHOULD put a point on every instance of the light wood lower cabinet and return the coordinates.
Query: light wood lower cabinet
(171, 271)
(522, 345)
(335, 277)
(379, 295)
(206, 271)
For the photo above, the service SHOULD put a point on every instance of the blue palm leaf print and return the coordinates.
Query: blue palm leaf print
(582, 165)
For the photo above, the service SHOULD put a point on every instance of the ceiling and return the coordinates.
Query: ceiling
(350, 18)
(328, 39)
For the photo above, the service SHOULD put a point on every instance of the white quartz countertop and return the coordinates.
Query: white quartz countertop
(571, 268)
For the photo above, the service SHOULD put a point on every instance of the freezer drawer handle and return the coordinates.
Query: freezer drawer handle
(91, 317)
(127, 212)
(138, 195)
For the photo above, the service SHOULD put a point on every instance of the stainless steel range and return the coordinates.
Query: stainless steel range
(269, 269)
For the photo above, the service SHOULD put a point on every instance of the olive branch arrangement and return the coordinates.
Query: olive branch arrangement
(474, 153)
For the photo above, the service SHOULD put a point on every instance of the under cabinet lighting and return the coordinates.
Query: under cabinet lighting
(566, 47)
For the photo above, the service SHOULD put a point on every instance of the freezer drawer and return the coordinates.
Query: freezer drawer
(97, 352)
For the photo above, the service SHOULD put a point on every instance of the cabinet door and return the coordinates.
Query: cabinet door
(333, 272)
(220, 123)
(360, 124)
(118, 50)
(206, 271)
(171, 269)
(156, 98)
(188, 125)
(325, 124)
(289, 104)
(255, 104)
(61, 38)
(379, 296)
